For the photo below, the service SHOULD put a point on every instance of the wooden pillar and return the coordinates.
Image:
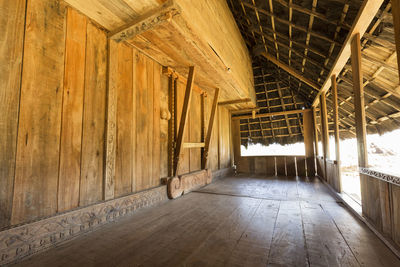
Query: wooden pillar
(396, 25)
(325, 128)
(308, 133)
(336, 129)
(370, 187)
(315, 131)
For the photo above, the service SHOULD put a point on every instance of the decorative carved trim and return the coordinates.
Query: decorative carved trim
(24, 240)
(381, 176)
(177, 186)
(146, 22)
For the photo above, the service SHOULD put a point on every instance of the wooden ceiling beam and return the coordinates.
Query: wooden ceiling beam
(314, 13)
(265, 115)
(396, 25)
(301, 28)
(364, 17)
(291, 71)
(236, 101)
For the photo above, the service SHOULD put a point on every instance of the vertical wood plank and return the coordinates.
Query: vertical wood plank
(124, 145)
(38, 142)
(211, 122)
(290, 166)
(195, 132)
(336, 131)
(94, 116)
(155, 152)
(12, 19)
(142, 172)
(150, 116)
(133, 119)
(72, 112)
(111, 128)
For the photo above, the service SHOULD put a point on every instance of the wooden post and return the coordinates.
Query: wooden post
(359, 107)
(315, 130)
(308, 133)
(209, 130)
(171, 125)
(325, 129)
(396, 25)
(183, 122)
(336, 129)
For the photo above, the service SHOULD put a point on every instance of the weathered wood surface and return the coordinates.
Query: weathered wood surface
(38, 143)
(12, 21)
(183, 184)
(186, 40)
(72, 109)
(27, 239)
(286, 222)
(94, 117)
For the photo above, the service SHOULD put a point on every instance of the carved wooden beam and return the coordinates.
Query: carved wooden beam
(209, 130)
(147, 21)
(178, 186)
(184, 117)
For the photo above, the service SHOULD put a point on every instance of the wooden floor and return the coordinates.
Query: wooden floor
(237, 221)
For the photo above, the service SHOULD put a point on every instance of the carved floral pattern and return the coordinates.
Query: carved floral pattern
(381, 176)
(27, 239)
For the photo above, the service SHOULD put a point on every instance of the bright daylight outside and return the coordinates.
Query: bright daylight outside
(383, 156)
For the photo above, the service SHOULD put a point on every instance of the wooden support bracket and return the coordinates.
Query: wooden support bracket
(147, 21)
(209, 130)
(183, 121)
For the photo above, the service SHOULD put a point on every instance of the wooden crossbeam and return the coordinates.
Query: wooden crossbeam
(265, 115)
(291, 71)
(193, 145)
(236, 101)
(183, 121)
(296, 26)
(209, 130)
(364, 17)
(149, 20)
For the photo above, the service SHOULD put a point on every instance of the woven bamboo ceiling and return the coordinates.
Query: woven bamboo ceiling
(306, 36)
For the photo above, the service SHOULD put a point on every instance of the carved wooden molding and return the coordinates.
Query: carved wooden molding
(177, 186)
(151, 19)
(381, 176)
(24, 240)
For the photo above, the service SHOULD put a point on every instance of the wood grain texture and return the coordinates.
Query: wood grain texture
(142, 110)
(40, 112)
(72, 110)
(156, 141)
(125, 147)
(195, 132)
(12, 19)
(94, 117)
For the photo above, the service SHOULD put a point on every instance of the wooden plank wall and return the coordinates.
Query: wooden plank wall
(56, 66)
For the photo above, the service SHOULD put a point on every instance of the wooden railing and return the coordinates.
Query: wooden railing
(381, 201)
(273, 165)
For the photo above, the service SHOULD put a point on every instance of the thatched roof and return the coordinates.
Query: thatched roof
(307, 36)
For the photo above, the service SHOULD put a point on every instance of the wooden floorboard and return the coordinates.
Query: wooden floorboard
(235, 221)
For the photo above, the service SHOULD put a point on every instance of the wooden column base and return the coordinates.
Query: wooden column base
(177, 186)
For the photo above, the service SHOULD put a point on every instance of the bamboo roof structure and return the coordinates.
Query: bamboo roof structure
(295, 45)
